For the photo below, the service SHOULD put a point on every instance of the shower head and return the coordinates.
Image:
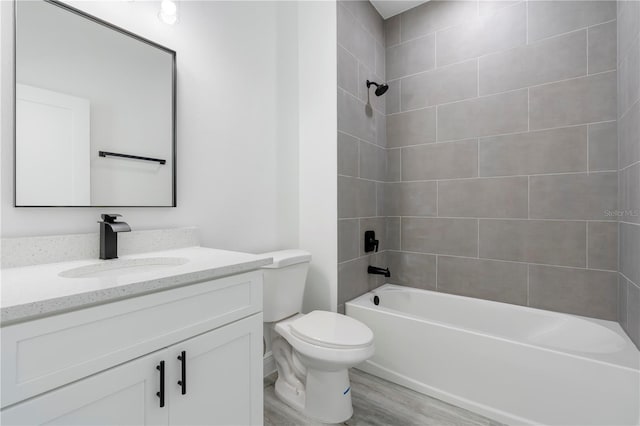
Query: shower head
(380, 88)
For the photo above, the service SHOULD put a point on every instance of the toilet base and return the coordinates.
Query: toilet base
(327, 395)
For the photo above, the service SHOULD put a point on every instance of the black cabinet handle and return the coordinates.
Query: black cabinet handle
(183, 381)
(160, 394)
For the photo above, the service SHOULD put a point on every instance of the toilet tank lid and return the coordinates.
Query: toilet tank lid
(284, 258)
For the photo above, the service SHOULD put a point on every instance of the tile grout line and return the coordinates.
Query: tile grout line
(437, 256)
(528, 197)
(588, 162)
(478, 238)
(528, 291)
(491, 259)
(587, 50)
(586, 226)
(470, 218)
(489, 177)
(526, 23)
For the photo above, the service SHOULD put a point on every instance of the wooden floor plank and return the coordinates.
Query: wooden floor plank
(377, 402)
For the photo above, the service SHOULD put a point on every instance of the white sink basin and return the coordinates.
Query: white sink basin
(122, 267)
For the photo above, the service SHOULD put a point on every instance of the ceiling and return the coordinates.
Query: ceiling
(389, 8)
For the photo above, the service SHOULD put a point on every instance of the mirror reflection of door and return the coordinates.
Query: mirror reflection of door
(54, 130)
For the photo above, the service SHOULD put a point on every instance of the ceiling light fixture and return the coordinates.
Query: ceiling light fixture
(168, 12)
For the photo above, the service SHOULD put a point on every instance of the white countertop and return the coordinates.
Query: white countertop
(35, 291)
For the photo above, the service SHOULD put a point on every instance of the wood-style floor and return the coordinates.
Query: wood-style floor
(377, 402)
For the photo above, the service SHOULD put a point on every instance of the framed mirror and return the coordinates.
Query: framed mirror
(95, 112)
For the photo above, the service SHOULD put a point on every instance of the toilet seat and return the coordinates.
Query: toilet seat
(321, 351)
(331, 330)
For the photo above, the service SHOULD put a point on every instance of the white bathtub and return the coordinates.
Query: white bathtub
(514, 364)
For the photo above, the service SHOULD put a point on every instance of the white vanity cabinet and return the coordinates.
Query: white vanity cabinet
(105, 364)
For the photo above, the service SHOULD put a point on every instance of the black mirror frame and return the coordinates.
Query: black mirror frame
(127, 33)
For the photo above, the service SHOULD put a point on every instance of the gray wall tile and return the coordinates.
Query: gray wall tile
(353, 119)
(629, 251)
(348, 232)
(602, 246)
(633, 313)
(393, 164)
(347, 71)
(379, 226)
(549, 18)
(440, 161)
(381, 62)
(576, 291)
(558, 58)
(629, 194)
(347, 155)
(581, 100)
(364, 12)
(628, 137)
(411, 128)
(489, 197)
(412, 269)
(442, 85)
(392, 30)
(380, 198)
(381, 129)
(485, 116)
(488, 7)
(537, 241)
(354, 279)
(484, 279)
(622, 301)
(410, 199)
(353, 37)
(470, 40)
(392, 96)
(602, 47)
(628, 24)
(393, 233)
(547, 151)
(603, 146)
(373, 162)
(356, 197)
(573, 196)
(435, 15)
(629, 78)
(457, 237)
(411, 57)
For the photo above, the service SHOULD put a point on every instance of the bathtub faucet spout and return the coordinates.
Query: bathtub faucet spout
(378, 271)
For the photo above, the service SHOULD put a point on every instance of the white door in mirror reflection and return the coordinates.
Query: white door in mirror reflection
(52, 158)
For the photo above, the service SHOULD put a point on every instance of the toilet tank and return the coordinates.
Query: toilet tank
(284, 282)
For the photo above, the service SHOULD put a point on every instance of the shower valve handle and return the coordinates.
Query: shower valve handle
(370, 242)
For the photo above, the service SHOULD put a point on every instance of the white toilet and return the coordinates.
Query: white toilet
(313, 352)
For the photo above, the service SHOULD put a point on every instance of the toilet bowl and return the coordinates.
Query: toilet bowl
(313, 352)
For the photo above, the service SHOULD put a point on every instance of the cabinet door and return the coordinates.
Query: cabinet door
(123, 395)
(224, 376)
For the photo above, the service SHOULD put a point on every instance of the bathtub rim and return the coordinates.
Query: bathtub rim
(632, 364)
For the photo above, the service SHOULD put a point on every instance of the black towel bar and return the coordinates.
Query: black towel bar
(135, 157)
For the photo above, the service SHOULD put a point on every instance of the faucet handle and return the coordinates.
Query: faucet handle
(110, 217)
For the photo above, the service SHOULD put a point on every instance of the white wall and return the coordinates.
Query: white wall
(318, 157)
(237, 156)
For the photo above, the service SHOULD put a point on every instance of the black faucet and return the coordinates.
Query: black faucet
(109, 229)
(378, 271)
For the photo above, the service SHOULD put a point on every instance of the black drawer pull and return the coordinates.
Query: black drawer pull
(183, 381)
(160, 394)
